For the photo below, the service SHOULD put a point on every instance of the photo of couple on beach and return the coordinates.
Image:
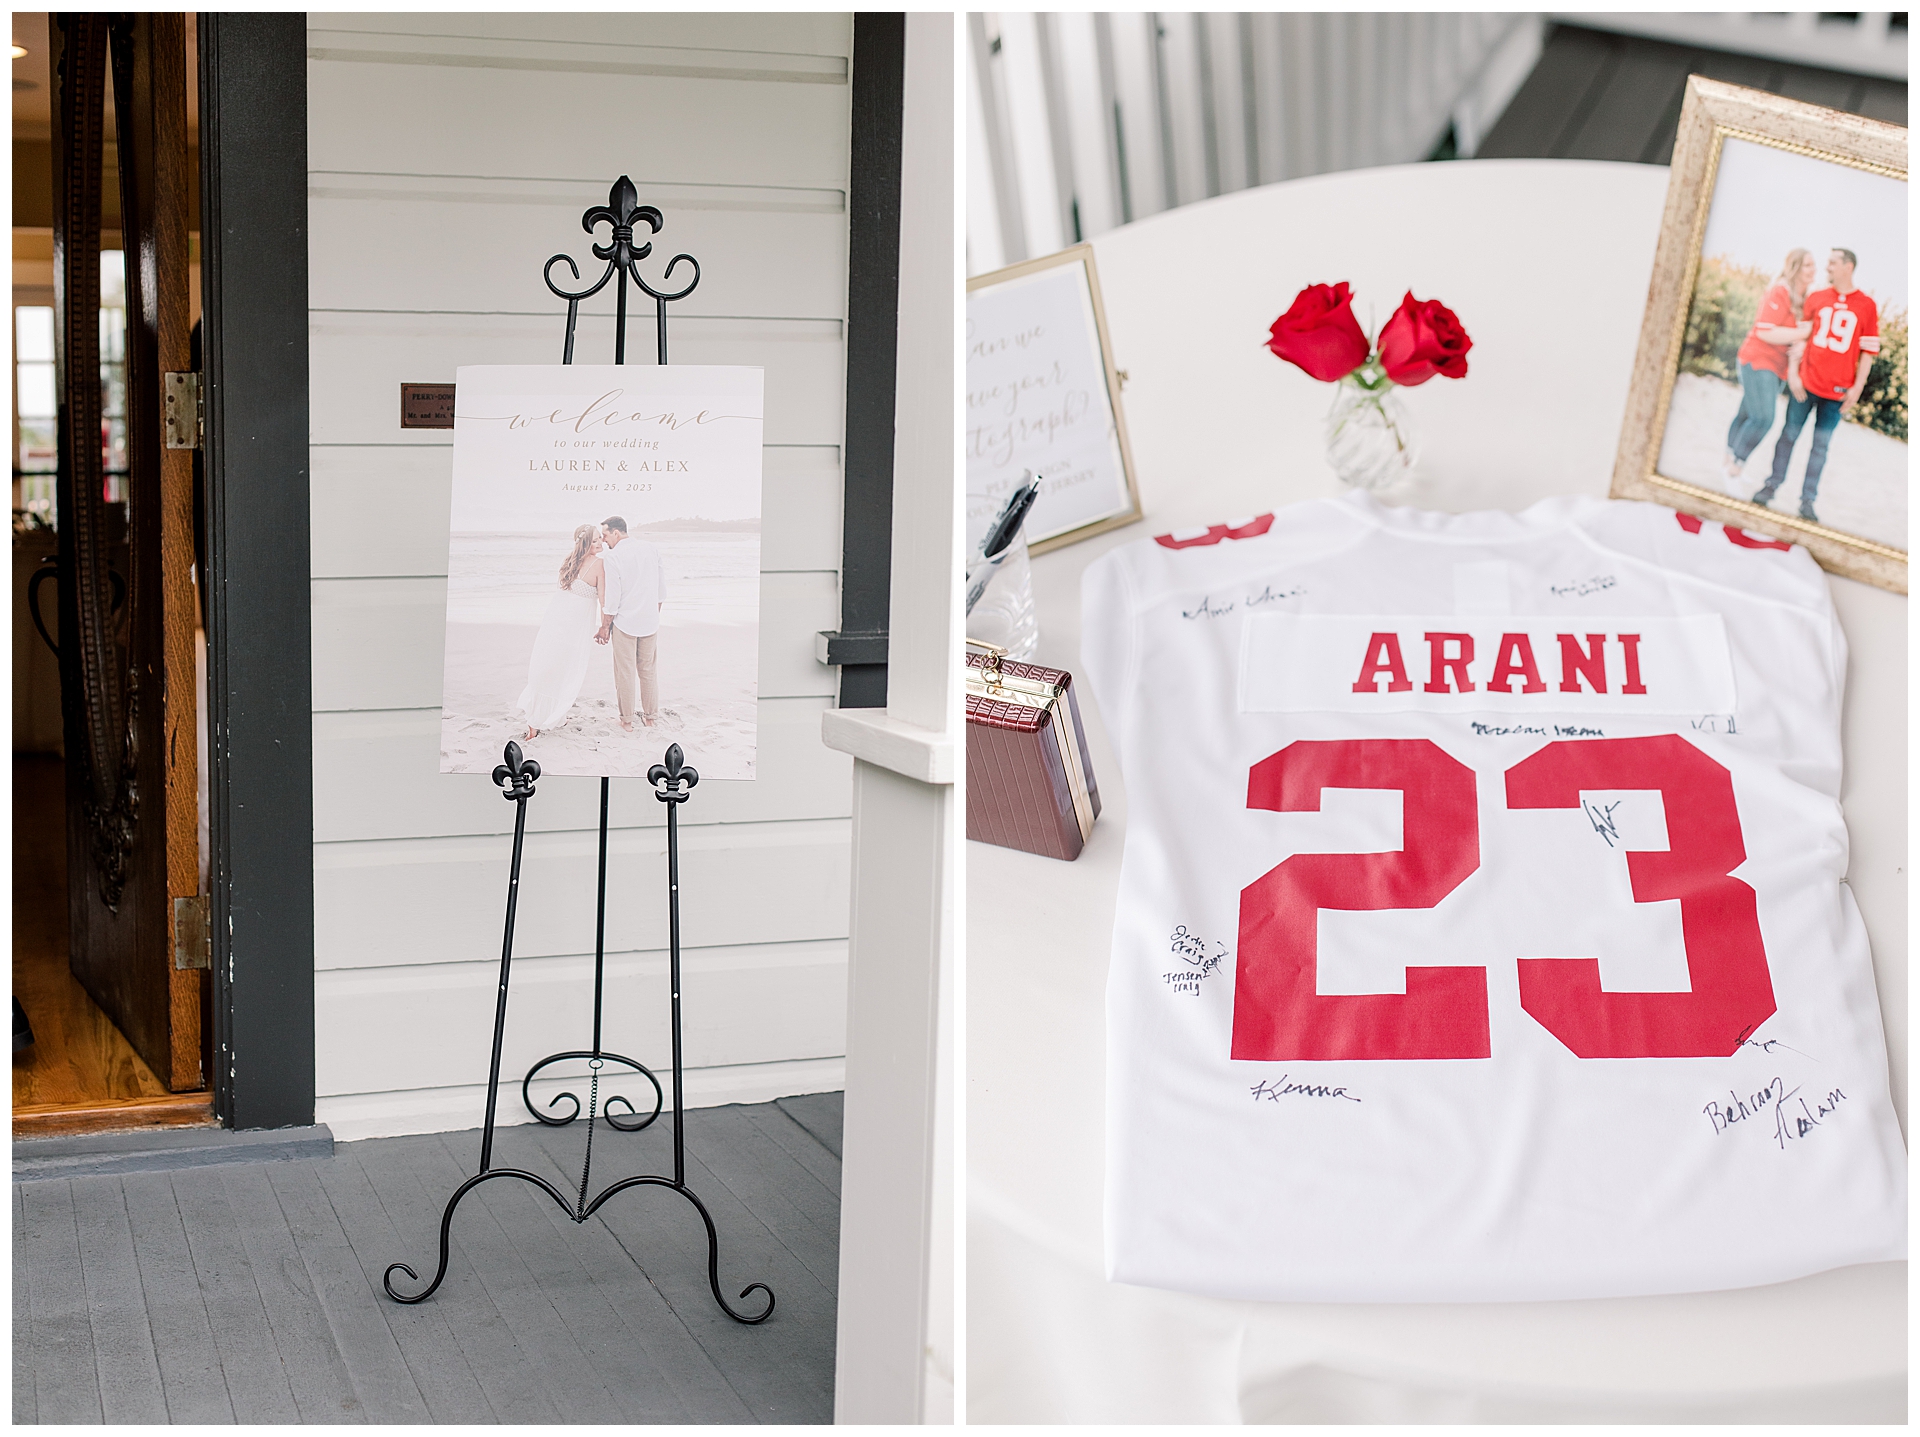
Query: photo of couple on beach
(1792, 384)
(603, 571)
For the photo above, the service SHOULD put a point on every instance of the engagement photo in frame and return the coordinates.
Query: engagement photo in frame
(1043, 398)
(1770, 384)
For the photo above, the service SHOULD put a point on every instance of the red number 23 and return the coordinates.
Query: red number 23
(1278, 1014)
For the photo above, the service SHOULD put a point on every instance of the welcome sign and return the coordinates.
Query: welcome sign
(603, 568)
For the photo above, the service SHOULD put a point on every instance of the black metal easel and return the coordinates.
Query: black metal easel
(673, 783)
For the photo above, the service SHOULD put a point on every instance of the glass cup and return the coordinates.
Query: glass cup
(1003, 612)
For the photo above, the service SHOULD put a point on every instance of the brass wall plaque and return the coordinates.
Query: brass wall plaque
(426, 406)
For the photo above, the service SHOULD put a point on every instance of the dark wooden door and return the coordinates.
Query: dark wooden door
(126, 595)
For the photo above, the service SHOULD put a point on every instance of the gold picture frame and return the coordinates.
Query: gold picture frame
(1080, 256)
(1712, 114)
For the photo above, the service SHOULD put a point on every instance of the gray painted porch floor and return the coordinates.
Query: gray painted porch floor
(251, 1292)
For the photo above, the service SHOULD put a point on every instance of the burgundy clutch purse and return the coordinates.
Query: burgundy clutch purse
(1029, 779)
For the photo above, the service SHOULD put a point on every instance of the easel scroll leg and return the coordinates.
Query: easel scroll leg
(516, 777)
(713, 1245)
(446, 1229)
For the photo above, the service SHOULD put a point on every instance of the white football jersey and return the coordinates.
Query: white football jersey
(1481, 931)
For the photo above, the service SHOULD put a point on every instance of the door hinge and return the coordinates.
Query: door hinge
(185, 416)
(192, 938)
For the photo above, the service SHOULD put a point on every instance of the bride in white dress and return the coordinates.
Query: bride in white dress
(564, 646)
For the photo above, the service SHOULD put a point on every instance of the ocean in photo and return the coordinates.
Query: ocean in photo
(712, 577)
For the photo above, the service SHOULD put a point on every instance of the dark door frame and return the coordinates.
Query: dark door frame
(253, 267)
(859, 646)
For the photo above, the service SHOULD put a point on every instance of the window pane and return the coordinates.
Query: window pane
(39, 446)
(36, 391)
(113, 335)
(37, 497)
(113, 389)
(113, 279)
(33, 326)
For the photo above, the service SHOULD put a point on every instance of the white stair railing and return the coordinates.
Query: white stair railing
(1080, 122)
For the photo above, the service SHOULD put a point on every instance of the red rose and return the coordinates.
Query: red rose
(1320, 333)
(1424, 338)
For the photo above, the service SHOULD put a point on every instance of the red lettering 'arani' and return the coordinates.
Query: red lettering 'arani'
(1449, 654)
(1440, 662)
(1382, 657)
(1631, 644)
(1576, 663)
(1514, 660)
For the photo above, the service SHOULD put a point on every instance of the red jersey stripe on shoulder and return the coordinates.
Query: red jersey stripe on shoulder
(1750, 541)
(1250, 529)
(1734, 536)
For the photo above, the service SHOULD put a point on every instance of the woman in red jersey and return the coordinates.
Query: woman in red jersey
(1763, 357)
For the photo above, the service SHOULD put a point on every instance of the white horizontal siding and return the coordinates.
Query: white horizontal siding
(794, 33)
(453, 119)
(394, 902)
(741, 1004)
(770, 247)
(444, 1108)
(396, 754)
(449, 156)
(360, 360)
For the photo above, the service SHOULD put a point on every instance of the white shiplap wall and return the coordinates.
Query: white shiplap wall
(449, 156)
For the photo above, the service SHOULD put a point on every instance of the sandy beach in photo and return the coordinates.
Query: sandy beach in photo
(707, 663)
(708, 689)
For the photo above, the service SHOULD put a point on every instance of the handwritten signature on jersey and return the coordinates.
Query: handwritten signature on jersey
(1790, 1127)
(1794, 1117)
(1192, 951)
(1273, 1090)
(1767, 1045)
(1208, 609)
(1790, 1122)
(1601, 817)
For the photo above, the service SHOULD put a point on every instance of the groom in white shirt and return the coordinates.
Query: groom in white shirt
(636, 586)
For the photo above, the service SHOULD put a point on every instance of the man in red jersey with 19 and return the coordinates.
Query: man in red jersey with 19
(1826, 375)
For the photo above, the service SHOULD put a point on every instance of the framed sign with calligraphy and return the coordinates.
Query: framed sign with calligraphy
(1043, 396)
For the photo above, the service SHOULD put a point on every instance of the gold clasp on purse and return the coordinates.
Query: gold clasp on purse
(990, 673)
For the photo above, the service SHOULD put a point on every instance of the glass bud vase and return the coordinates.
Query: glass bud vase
(1370, 441)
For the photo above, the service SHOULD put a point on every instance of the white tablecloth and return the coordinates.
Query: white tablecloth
(1546, 263)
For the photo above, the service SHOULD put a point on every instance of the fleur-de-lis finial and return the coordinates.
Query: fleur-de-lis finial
(622, 211)
(516, 775)
(674, 779)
